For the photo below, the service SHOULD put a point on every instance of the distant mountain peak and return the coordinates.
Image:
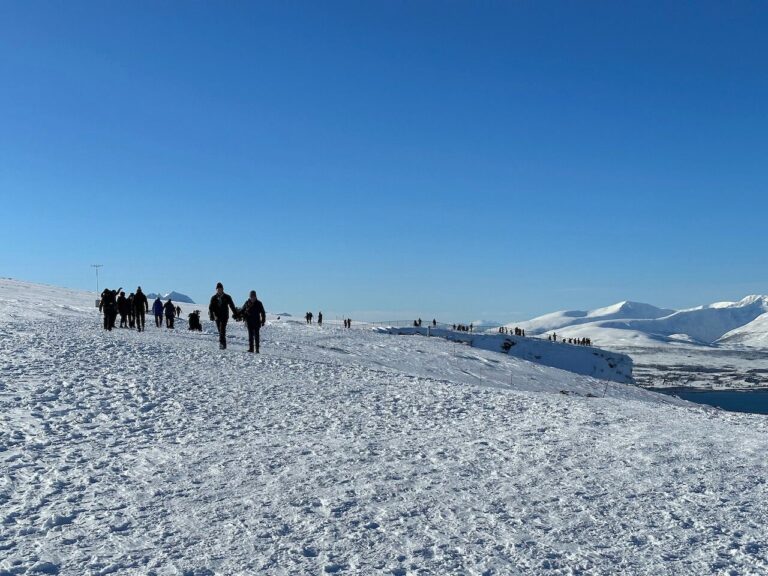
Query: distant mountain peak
(174, 296)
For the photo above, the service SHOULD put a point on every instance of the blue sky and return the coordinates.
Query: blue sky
(458, 160)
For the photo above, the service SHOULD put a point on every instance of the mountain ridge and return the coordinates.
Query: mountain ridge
(736, 323)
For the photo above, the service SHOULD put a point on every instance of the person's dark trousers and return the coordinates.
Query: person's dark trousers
(253, 337)
(123, 321)
(140, 320)
(109, 318)
(222, 327)
(158, 320)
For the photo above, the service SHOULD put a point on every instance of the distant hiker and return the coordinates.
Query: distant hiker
(157, 310)
(170, 313)
(140, 307)
(218, 311)
(434, 322)
(319, 318)
(255, 317)
(554, 336)
(122, 309)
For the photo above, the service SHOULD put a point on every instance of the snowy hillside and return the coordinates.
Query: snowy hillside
(350, 452)
(585, 360)
(753, 334)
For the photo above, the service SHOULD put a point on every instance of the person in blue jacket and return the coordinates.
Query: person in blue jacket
(157, 310)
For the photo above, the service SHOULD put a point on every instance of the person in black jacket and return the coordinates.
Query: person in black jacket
(131, 311)
(108, 305)
(255, 317)
(218, 311)
(122, 309)
(140, 308)
(170, 313)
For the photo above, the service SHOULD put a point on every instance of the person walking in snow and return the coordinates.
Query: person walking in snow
(218, 311)
(157, 310)
(122, 309)
(131, 312)
(319, 318)
(255, 317)
(108, 306)
(140, 308)
(170, 313)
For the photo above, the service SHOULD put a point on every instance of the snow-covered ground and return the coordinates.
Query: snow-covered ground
(350, 452)
(586, 360)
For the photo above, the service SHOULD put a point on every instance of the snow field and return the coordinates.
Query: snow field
(350, 452)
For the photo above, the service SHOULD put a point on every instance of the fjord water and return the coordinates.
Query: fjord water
(750, 401)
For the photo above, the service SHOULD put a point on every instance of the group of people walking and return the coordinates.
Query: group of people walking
(309, 317)
(576, 341)
(517, 331)
(133, 309)
(252, 312)
(167, 310)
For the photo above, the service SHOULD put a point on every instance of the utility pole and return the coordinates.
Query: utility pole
(97, 266)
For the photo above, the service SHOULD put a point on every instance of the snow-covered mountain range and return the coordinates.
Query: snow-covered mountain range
(741, 323)
(174, 296)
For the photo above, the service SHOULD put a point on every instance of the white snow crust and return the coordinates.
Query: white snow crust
(350, 452)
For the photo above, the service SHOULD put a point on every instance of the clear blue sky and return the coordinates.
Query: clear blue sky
(458, 160)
